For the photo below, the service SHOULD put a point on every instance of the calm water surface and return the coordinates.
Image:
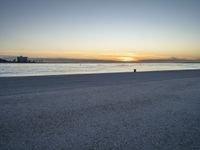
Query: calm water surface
(85, 68)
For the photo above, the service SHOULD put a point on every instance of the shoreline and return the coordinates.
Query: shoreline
(104, 73)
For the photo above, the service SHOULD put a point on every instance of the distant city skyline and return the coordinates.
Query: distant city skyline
(126, 30)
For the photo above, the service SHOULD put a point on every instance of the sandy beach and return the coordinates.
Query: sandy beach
(140, 111)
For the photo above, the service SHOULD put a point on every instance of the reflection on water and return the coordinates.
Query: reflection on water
(84, 68)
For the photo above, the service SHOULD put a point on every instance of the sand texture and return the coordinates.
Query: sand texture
(136, 111)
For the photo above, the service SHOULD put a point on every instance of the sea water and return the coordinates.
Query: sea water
(37, 69)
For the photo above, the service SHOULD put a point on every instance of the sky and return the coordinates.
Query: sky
(101, 29)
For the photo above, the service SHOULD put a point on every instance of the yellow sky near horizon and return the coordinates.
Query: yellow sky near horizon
(115, 56)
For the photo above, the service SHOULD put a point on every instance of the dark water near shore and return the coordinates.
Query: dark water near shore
(85, 68)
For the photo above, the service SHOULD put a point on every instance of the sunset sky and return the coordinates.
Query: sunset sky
(123, 30)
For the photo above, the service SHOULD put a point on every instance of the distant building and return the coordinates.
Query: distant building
(22, 59)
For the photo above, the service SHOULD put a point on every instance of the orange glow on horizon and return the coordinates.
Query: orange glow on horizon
(123, 57)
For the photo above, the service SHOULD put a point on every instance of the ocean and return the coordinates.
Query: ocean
(38, 69)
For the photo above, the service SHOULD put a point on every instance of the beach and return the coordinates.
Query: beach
(140, 111)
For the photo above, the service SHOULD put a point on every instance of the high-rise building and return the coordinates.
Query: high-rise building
(22, 59)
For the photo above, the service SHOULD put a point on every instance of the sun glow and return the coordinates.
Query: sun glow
(126, 59)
